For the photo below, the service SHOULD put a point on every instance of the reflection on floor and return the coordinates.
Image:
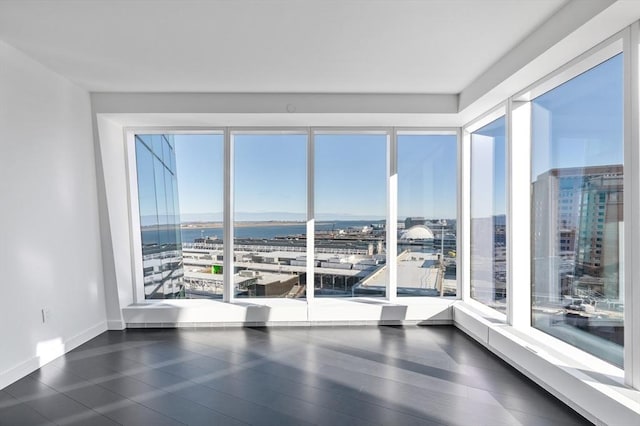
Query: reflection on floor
(281, 376)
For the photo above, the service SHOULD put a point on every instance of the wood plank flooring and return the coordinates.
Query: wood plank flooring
(396, 376)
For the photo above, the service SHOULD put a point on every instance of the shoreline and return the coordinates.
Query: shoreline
(252, 223)
(240, 224)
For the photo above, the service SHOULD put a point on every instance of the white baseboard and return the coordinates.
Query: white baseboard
(84, 336)
(19, 371)
(30, 365)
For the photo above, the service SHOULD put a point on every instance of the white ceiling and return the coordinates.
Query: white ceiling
(314, 46)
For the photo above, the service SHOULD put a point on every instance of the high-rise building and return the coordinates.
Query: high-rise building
(162, 261)
(600, 228)
(586, 207)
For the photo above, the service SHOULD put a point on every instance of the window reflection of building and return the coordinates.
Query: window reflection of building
(577, 221)
(162, 260)
(598, 251)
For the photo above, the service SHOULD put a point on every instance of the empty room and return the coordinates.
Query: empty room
(320, 212)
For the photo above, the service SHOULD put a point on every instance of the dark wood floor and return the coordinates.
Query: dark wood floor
(281, 376)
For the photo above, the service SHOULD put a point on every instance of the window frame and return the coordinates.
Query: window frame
(582, 64)
(490, 116)
(228, 217)
(229, 204)
(131, 172)
(392, 240)
(519, 158)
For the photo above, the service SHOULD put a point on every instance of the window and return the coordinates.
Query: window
(179, 181)
(427, 201)
(180, 186)
(488, 215)
(577, 146)
(159, 223)
(270, 209)
(350, 213)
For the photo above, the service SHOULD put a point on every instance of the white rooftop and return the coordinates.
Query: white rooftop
(415, 271)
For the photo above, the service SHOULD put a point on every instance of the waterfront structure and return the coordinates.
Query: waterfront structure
(417, 233)
(416, 238)
(276, 271)
(347, 262)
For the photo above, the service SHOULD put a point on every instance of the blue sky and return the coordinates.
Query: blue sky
(427, 176)
(199, 163)
(488, 172)
(271, 175)
(350, 176)
(580, 123)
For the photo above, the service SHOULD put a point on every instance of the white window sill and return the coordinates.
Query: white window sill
(288, 312)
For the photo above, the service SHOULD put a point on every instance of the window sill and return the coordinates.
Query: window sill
(289, 312)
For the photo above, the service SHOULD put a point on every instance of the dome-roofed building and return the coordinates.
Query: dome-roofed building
(417, 233)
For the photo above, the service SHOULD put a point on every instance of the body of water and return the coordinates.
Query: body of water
(271, 231)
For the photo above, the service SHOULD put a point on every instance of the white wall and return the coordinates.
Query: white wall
(50, 256)
(114, 204)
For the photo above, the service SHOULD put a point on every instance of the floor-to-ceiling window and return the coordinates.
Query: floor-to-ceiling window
(427, 214)
(350, 213)
(159, 217)
(488, 215)
(270, 203)
(179, 183)
(577, 211)
(181, 193)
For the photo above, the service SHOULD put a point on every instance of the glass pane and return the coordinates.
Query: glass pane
(199, 162)
(270, 204)
(161, 252)
(427, 215)
(488, 215)
(180, 199)
(148, 216)
(156, 145)
(350, 205)
(146, 187)
(167, 153)
(577, 205)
